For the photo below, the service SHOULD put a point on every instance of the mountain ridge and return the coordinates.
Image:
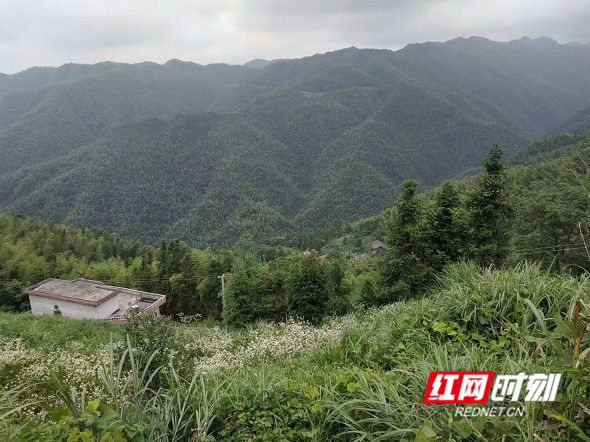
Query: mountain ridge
(257, 61)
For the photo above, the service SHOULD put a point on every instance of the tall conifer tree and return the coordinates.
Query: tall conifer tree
(490, 212)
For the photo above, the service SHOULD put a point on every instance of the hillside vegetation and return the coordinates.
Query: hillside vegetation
(535, 211)
(360, 377)
(546, 184)
(32, 250)
(299, 332)
(280, 151)
(579, 121)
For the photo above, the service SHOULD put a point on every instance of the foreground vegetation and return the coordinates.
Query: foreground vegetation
(358, 377)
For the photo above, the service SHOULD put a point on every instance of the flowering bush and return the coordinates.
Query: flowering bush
(265, 342)
(210, 348)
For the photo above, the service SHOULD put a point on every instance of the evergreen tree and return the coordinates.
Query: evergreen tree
(338, 289)
(31, 250)
(446, 229)
(184, 285)
(143, 276)
(278, 271)
(177, 274)
(9, 292)
(245, 245)
(490, 212)
(368, 293)
(407, 266)
(211, 266)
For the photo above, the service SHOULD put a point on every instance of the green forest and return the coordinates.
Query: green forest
(326, 344)
(537, 209)
(207, 153)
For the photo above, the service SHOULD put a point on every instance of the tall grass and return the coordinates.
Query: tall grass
(12, 403)
(174, 409)
(508, 321)
(57, 332)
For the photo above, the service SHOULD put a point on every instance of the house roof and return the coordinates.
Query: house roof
(129, 299)
(377, 244)
(86, 291)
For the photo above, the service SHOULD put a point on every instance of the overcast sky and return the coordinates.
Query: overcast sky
(54, 32)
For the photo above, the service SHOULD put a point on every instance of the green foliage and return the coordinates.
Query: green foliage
(337, 287)
(424, 239)
(96, 421)
(177, 274)
(153, 338)
(57, 332)
(548, 201)
(31, 250)
(551, 208)
(367, 383)
(190, 280)
(210, 267)
(244, 292)
(369, 294)
(490, 212)
(406, 268)
(306, 287)
(579, 121)
(447, 226)
(266, 406)
(547, 147)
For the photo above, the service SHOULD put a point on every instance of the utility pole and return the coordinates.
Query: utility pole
(222, 277)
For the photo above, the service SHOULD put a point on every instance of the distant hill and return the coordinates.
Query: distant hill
(551, 147)
(579, 121)
(47, 112)
(204, 178)
(206, 153)
(257, 63)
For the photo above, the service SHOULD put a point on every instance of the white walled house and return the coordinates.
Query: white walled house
(84, 298)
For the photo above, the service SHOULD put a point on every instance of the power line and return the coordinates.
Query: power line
(550, 247)
(114, 281)
(563, 249)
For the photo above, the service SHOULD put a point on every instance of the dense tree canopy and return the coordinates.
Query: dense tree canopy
(279, 152)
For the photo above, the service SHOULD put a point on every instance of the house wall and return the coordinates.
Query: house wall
(108, 307)
(44, 306)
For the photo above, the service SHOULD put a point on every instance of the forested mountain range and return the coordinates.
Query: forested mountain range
(205, 153)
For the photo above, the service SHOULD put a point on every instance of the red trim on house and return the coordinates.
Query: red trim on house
(32, 291)
(156, 304)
